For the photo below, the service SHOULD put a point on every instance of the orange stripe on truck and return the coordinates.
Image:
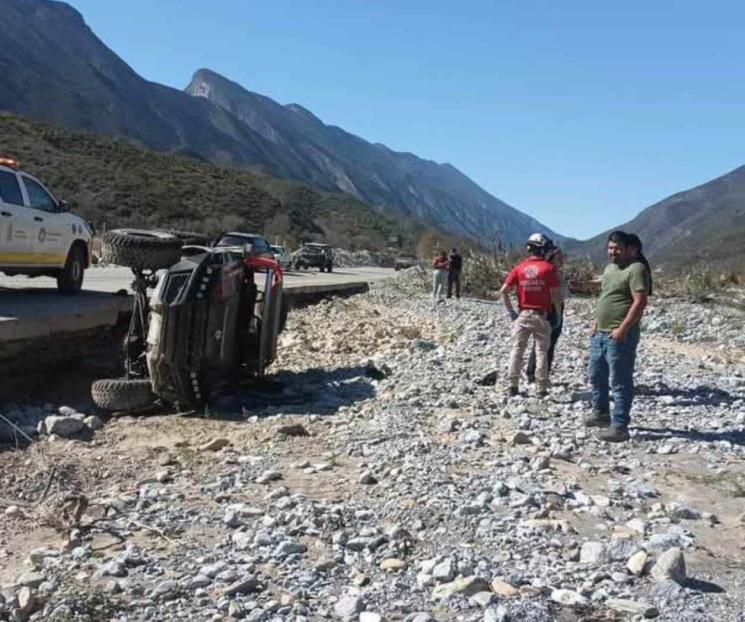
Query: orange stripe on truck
(32, 259)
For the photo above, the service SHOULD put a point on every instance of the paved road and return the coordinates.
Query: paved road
(31, 308)
(114, 278)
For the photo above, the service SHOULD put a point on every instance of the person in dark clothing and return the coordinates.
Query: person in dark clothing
(456, 265)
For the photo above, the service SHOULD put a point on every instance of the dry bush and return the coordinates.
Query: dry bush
(578, 269)
(700, 283)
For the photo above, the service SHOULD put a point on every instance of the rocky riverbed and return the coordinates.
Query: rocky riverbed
(378, 476)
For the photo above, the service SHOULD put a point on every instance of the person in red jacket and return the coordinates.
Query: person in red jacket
(440, 268)
(537, 284)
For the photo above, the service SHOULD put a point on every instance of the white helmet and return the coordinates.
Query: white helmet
(539, 240)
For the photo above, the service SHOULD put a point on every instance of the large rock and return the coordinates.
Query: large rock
(568, 598)
(393, 564)
(671, 565)
(63, 426)
(465, 586)
(444, 572)
(496, 614)
(348, 607)
(504, 589)
(621, 549)
(640, 608)
(591, 553)
(637, 563)
(247, 585)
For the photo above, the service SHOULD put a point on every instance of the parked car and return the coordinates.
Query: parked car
(281, 256)
(207, 326)
(401, 263)
(259, 244)
(314, 255)
(38, 234)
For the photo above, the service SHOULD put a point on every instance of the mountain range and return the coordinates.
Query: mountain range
(54, 68)
(705, 224)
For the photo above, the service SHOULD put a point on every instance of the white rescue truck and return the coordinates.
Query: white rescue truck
(38, 234)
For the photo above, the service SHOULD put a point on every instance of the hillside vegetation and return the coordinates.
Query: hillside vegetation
(112, 183)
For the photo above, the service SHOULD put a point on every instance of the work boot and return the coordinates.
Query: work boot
(597, 420)
(614, 434)
(513, 392)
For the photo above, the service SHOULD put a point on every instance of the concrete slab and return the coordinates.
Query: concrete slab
(36, 312)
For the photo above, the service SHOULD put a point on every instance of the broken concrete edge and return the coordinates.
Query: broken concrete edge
(112, 310)
(48, 347)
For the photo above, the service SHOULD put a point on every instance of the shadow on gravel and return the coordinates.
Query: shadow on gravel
(701, 395)
(704, 586)
(310, 392)
(658, 434)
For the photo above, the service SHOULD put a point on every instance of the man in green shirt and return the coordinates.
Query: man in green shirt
(615, 336)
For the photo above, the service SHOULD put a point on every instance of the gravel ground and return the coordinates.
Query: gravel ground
(379, 477)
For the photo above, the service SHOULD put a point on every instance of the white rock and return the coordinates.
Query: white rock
(670, 565)
(348, 607)
(568, 598)
(591, 553)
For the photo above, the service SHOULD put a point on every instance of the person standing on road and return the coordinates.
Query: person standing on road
(440, 267)
(556, 320)
(537, 286)
(456, 265)
(624, 289)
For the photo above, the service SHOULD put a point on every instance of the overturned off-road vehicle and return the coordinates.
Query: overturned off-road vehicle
(211, 322)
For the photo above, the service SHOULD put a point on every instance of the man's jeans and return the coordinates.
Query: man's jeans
(615, 359)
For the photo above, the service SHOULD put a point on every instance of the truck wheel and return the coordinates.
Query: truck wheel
(70, 279)
(189, 238)
(330, 268)
(138, 249)
(121, 394)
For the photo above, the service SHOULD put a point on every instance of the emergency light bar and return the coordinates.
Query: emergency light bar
(9, 162)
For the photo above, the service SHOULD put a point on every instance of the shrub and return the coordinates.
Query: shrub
(578, 269)
(700, 282)
(677, 328)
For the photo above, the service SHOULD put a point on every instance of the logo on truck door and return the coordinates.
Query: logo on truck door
(42, 235)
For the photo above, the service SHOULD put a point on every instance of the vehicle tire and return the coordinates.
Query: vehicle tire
(189, 238)
(330, 268)
(139, 249)
(320, 268)
(121, 394)
(70, 278)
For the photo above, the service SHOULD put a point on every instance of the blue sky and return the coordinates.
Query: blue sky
(580, 113)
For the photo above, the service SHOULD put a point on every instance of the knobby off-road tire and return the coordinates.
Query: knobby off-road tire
(141, 250)
(70, 278)
(189, 238)
(120, 394)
